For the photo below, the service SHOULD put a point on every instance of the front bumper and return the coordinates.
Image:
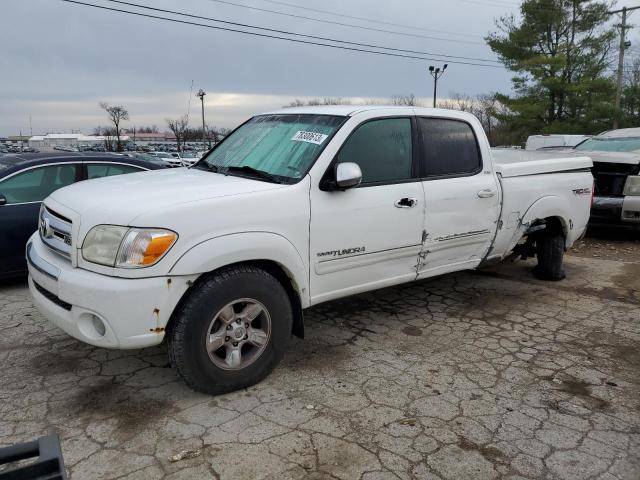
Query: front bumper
(101, 310)
(615, 210)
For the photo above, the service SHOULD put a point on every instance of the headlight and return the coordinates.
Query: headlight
(632, 185)
(125, 247)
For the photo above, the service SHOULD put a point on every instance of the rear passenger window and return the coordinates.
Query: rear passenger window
(382, 149)
(449, 147)
(98, 170)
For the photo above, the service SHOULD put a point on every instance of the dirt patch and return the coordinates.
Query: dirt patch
(629, 279)
(48, 363)
(492, 454)
(412, 331)
(132, 409)
(613, 244)
(616, 346)
(582, 390)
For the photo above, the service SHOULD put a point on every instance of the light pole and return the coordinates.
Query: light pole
(201, 93)
(436, 73)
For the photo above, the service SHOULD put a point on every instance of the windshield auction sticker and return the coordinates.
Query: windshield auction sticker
(309, 137)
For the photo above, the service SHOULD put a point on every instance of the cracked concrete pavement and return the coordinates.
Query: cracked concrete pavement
(476, 375)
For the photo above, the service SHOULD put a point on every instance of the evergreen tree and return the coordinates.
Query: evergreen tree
(560, 53)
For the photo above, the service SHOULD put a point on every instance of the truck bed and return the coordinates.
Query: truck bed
(518, 163)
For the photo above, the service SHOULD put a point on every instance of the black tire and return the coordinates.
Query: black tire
(550, 253)
(190, 328)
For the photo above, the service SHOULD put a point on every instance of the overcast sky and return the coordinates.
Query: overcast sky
(59, 59)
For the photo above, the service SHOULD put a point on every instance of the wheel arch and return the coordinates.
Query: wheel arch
(267, 251)
(553, 211)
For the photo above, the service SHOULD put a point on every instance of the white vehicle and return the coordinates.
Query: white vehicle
(172, 158)
(616, 171)
(189, 158)
(542, 142)
(294, 208)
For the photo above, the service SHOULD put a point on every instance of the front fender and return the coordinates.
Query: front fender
(228, 249)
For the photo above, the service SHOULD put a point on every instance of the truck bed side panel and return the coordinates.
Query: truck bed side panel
(566, 195)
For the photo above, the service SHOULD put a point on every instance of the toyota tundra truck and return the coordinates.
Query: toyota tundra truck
(293, 208)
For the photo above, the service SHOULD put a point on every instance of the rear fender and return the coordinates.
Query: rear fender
(550, 207)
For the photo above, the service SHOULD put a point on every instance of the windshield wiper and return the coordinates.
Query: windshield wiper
(254, 172)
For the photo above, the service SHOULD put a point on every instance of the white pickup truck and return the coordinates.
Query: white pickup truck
(294, 208)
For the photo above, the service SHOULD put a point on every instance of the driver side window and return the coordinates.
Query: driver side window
(383, 150)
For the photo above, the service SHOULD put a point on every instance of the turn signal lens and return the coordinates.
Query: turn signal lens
(144, 247)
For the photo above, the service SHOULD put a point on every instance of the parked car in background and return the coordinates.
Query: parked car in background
(616, 173)
(542, 142)
(148, 158)
(173, 159)
(294, 208)
(189, 158)
(26, 180)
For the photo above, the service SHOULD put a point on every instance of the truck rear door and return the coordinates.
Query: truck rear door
(462, 195)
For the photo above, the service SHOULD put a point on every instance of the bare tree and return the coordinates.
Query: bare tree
(179, 127)
(116, 114)
(109, 134)
(406, 100)
(317, 101)
(295, 103)
(458, 101)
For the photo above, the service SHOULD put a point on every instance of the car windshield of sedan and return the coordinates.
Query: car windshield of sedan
(282, 147)
(610, 145)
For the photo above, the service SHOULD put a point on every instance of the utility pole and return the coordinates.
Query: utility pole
(436, 73)
(620, 73)
(201, 93)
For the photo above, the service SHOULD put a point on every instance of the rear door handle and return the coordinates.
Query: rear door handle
(406, 202)
(487, 193)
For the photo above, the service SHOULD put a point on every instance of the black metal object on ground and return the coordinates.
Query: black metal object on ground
(47, 464)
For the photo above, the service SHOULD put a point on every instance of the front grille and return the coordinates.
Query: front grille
(55, 231)
(54, 298)
(610, 178)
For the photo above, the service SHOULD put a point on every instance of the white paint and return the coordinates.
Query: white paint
(224, 219)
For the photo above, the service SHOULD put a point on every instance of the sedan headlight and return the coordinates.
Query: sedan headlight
(632, 185)
(126, 247)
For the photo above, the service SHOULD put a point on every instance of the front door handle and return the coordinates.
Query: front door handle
(406, 202)
(487, 193)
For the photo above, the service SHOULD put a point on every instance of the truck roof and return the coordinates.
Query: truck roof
(350, 110)
(621, 133)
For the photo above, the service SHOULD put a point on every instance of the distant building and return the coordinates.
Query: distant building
(140, 137)
(51, 140)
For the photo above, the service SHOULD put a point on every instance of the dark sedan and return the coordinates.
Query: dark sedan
(27, 179)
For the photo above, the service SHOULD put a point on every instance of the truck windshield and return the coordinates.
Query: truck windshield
(631, 144)
(283, 146)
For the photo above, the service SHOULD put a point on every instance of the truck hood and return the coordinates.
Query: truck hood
(610, 157)
(120, 199)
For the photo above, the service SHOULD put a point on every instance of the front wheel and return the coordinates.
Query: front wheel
(231, 331)
(550, 253)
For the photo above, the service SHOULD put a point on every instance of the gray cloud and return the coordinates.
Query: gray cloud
(60, 60)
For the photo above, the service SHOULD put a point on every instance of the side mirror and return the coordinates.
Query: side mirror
(3, 200)
(348, 175)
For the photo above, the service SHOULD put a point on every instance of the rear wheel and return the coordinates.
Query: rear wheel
(231, 331)
(550, 253)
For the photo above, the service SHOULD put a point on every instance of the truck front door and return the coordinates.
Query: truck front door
(462, 195)
(369, 236)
